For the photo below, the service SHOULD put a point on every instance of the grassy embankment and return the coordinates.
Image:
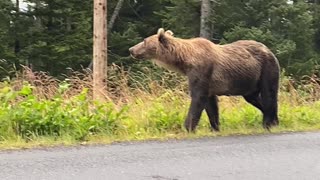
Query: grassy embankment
(38, 110)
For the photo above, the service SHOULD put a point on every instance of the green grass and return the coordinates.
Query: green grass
(28, 120)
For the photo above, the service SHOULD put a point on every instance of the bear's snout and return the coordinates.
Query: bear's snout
(135, 54)
(131, 50)
(132, 54)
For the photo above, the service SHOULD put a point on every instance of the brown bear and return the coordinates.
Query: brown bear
(243, 68)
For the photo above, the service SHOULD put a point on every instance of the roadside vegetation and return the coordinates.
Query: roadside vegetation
(143, 101)
(38, 109)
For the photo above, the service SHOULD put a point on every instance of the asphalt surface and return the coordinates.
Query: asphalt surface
(270, 157)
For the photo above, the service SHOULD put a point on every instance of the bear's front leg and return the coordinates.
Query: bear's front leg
(212, 110)
(199, 100)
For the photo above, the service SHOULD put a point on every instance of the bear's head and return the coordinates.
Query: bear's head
(148, 48)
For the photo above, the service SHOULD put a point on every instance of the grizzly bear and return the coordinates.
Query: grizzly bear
(243, 68)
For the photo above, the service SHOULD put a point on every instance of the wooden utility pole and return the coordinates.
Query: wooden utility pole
(99, 48)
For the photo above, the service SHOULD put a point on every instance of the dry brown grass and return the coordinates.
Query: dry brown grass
(125, 86)
(305, 90)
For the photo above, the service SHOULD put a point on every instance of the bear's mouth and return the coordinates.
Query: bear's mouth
(137, 56)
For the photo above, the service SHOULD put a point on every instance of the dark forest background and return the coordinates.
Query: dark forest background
(56, 35)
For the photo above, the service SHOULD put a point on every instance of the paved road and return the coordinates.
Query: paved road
(270, 157)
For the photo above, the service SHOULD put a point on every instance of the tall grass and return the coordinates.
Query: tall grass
(139, 105)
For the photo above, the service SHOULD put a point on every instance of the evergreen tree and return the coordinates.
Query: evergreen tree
(55, 35)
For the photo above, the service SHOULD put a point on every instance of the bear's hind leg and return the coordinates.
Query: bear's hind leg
(269, 95)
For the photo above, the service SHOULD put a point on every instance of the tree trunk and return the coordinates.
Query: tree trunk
(115, 14)
(205, 25)
(17, 42)
(112, 21)
(99, 49)
(38, 19)
(68, 24)
(17, 46)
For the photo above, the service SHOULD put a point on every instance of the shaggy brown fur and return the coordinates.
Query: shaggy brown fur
(246, 68)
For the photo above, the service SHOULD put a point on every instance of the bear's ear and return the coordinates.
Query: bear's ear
(168, 32)
(162, 36)
(160, 31)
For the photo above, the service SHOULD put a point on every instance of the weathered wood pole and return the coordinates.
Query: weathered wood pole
(99, 48)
